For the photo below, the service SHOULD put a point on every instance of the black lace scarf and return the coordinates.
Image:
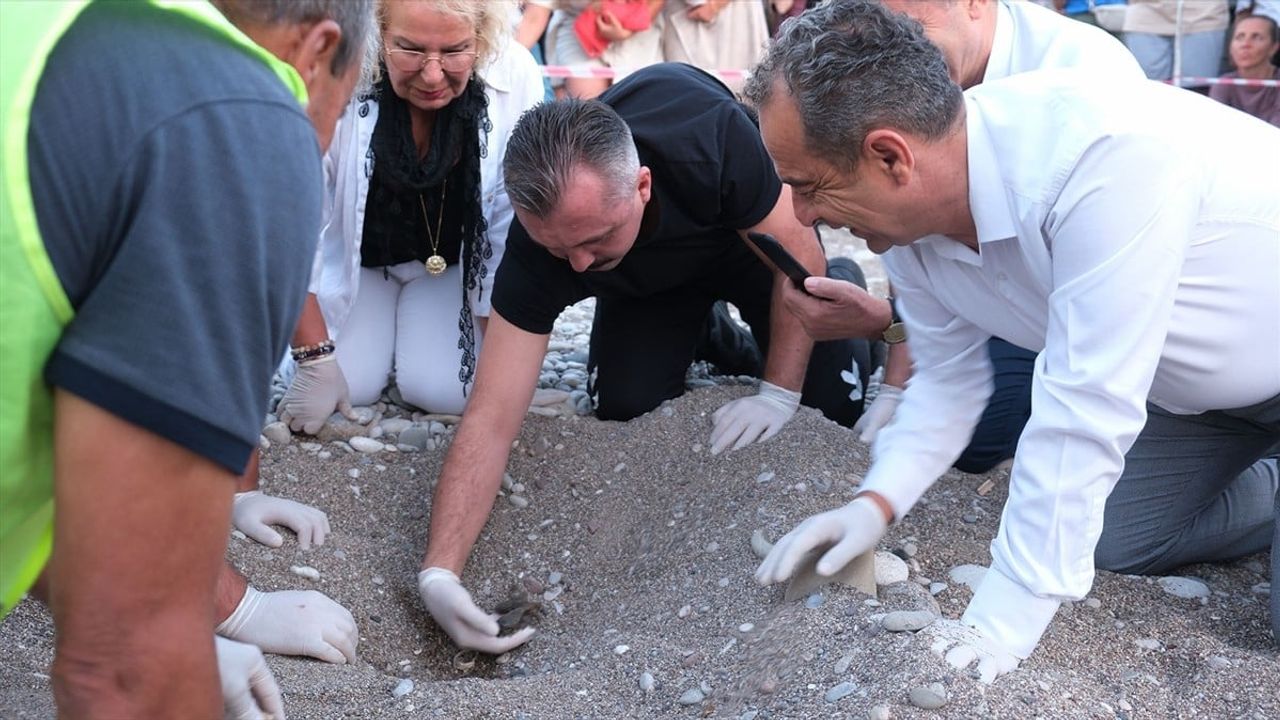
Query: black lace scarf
(456, 149)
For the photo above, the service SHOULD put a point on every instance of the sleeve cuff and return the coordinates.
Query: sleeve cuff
(1010, 614)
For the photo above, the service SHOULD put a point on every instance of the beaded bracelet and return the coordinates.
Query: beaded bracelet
(311, 352)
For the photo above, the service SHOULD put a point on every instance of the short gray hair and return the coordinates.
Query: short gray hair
(553, 139)
(853, 66)
(355, 18)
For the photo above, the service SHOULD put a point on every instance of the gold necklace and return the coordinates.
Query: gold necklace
(435, 264)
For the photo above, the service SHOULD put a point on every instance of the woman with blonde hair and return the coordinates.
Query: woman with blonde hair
(418, 215)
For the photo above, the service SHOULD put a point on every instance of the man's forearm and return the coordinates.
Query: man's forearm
(464, 496)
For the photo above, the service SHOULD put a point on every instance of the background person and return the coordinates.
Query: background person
(1151, 26)
(1255, 39)
(137, 425)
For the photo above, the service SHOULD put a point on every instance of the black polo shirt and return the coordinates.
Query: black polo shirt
(711, 177)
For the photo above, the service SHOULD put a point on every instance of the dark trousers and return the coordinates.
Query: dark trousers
(996, 436)
(641, 347)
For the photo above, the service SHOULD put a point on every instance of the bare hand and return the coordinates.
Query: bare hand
(837, 309)
(610, 27)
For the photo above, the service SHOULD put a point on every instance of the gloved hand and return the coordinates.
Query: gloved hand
(249, 690)
(753, 419)
(466, 624)
(879, 414)
(253, 514)
(294, 622)
(962, 645)
(318, 389)
(850, 530)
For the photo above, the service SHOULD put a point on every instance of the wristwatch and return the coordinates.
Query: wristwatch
(896, 332)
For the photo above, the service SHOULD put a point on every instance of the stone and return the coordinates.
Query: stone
(1184, 587)
(890, 569)
(969, 518)
(518, 501)
(338, 427)
(760, 545)
(842, 665)
(647, 682)
(404, 687)
(746, 627)
(621, 649)
(878, 712)
(548, 397)
(684, 611)
(928, 697)
(937, 587)
(1147, 643)
(814, 601)
(840, 691)
(1217, 662)
(692, 696)
(395, 426)
(969, 575)
(416, 436)
(364, 444)
(1094, 603)
(765, 477)
(305, 571)
(554, 578)
(907, 620)
(278, 433)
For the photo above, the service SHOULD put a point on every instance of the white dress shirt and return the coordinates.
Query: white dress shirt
(1130, 233)
(513, 84)
(1031, 37)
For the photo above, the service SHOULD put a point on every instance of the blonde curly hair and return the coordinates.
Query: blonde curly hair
(490, 18)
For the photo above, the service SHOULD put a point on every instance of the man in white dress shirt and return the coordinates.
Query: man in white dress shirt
(1073, 218)
(981, 40)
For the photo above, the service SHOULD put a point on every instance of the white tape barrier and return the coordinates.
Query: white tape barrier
(595, 71)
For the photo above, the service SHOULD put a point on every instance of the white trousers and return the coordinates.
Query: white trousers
(406, 323)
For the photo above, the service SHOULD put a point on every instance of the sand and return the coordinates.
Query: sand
(641, 520)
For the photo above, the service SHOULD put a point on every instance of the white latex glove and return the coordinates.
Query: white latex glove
(318, 389)
(466, 624)
(850, 530)
(253, 514)
(753, 419)
(962, 646)
(879, 414)
(249, 690)
(294, 622)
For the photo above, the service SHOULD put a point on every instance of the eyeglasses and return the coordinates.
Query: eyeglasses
(413, 61)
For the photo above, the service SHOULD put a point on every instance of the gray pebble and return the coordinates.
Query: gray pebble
(970, 575)
(814, 601)
(415, 436)
(518, 501)
(646, 682)
(765, 477)
(879, 712)
(1217, 662)
(907, 620)
(890, 569)
(928, 697)
(1147, 643)
(969, 518)
(746, 627)
(554, 578)
(278, 433)
(404, 687)
(937, 587)
(839, 692)
(1094, 603)
(364, 444)
(842, 665)
(395, 426)
(692, 696)
(1184, 587)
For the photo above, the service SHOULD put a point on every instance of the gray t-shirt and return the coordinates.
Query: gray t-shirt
(177, 185)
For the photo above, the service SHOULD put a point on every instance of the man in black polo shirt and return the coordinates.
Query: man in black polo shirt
(643, 200)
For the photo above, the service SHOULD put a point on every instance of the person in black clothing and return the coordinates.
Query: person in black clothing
(642, 199)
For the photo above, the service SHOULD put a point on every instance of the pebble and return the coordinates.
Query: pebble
(353, 473)
(907, 620)
(890, 569)
(646, 681)
(692, 696)
(765, 477)
(684, 611)
(1217, 662)
(760, 545)
(621, 649)
(278, 433)
(814, 601)
(841, 691)
(969, 518)
(928, 697)
(364, 444)
(305, 571)
(1094, 603)
(970, 575)
(554, 578)
(878, 712)
(1184, 587)
(746, 627)
(552, 593)
(404, 687)
(842, 665)
(518, 500)
(324, 455)
(395, 426)
(937, 587)
(1147, 643)
(723, 582)
(415, 436)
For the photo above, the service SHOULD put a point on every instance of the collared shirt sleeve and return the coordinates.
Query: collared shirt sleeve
(1116, 261)
(949, 387)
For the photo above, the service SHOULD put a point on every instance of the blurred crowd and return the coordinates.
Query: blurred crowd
(1197, 40)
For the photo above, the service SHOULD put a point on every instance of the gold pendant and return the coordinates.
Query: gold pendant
(435, 265)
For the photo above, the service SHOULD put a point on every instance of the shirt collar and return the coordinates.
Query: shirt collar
(988, 200)
(999, 63)
(498, 74)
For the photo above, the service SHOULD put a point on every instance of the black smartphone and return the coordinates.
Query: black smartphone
(773, 250)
